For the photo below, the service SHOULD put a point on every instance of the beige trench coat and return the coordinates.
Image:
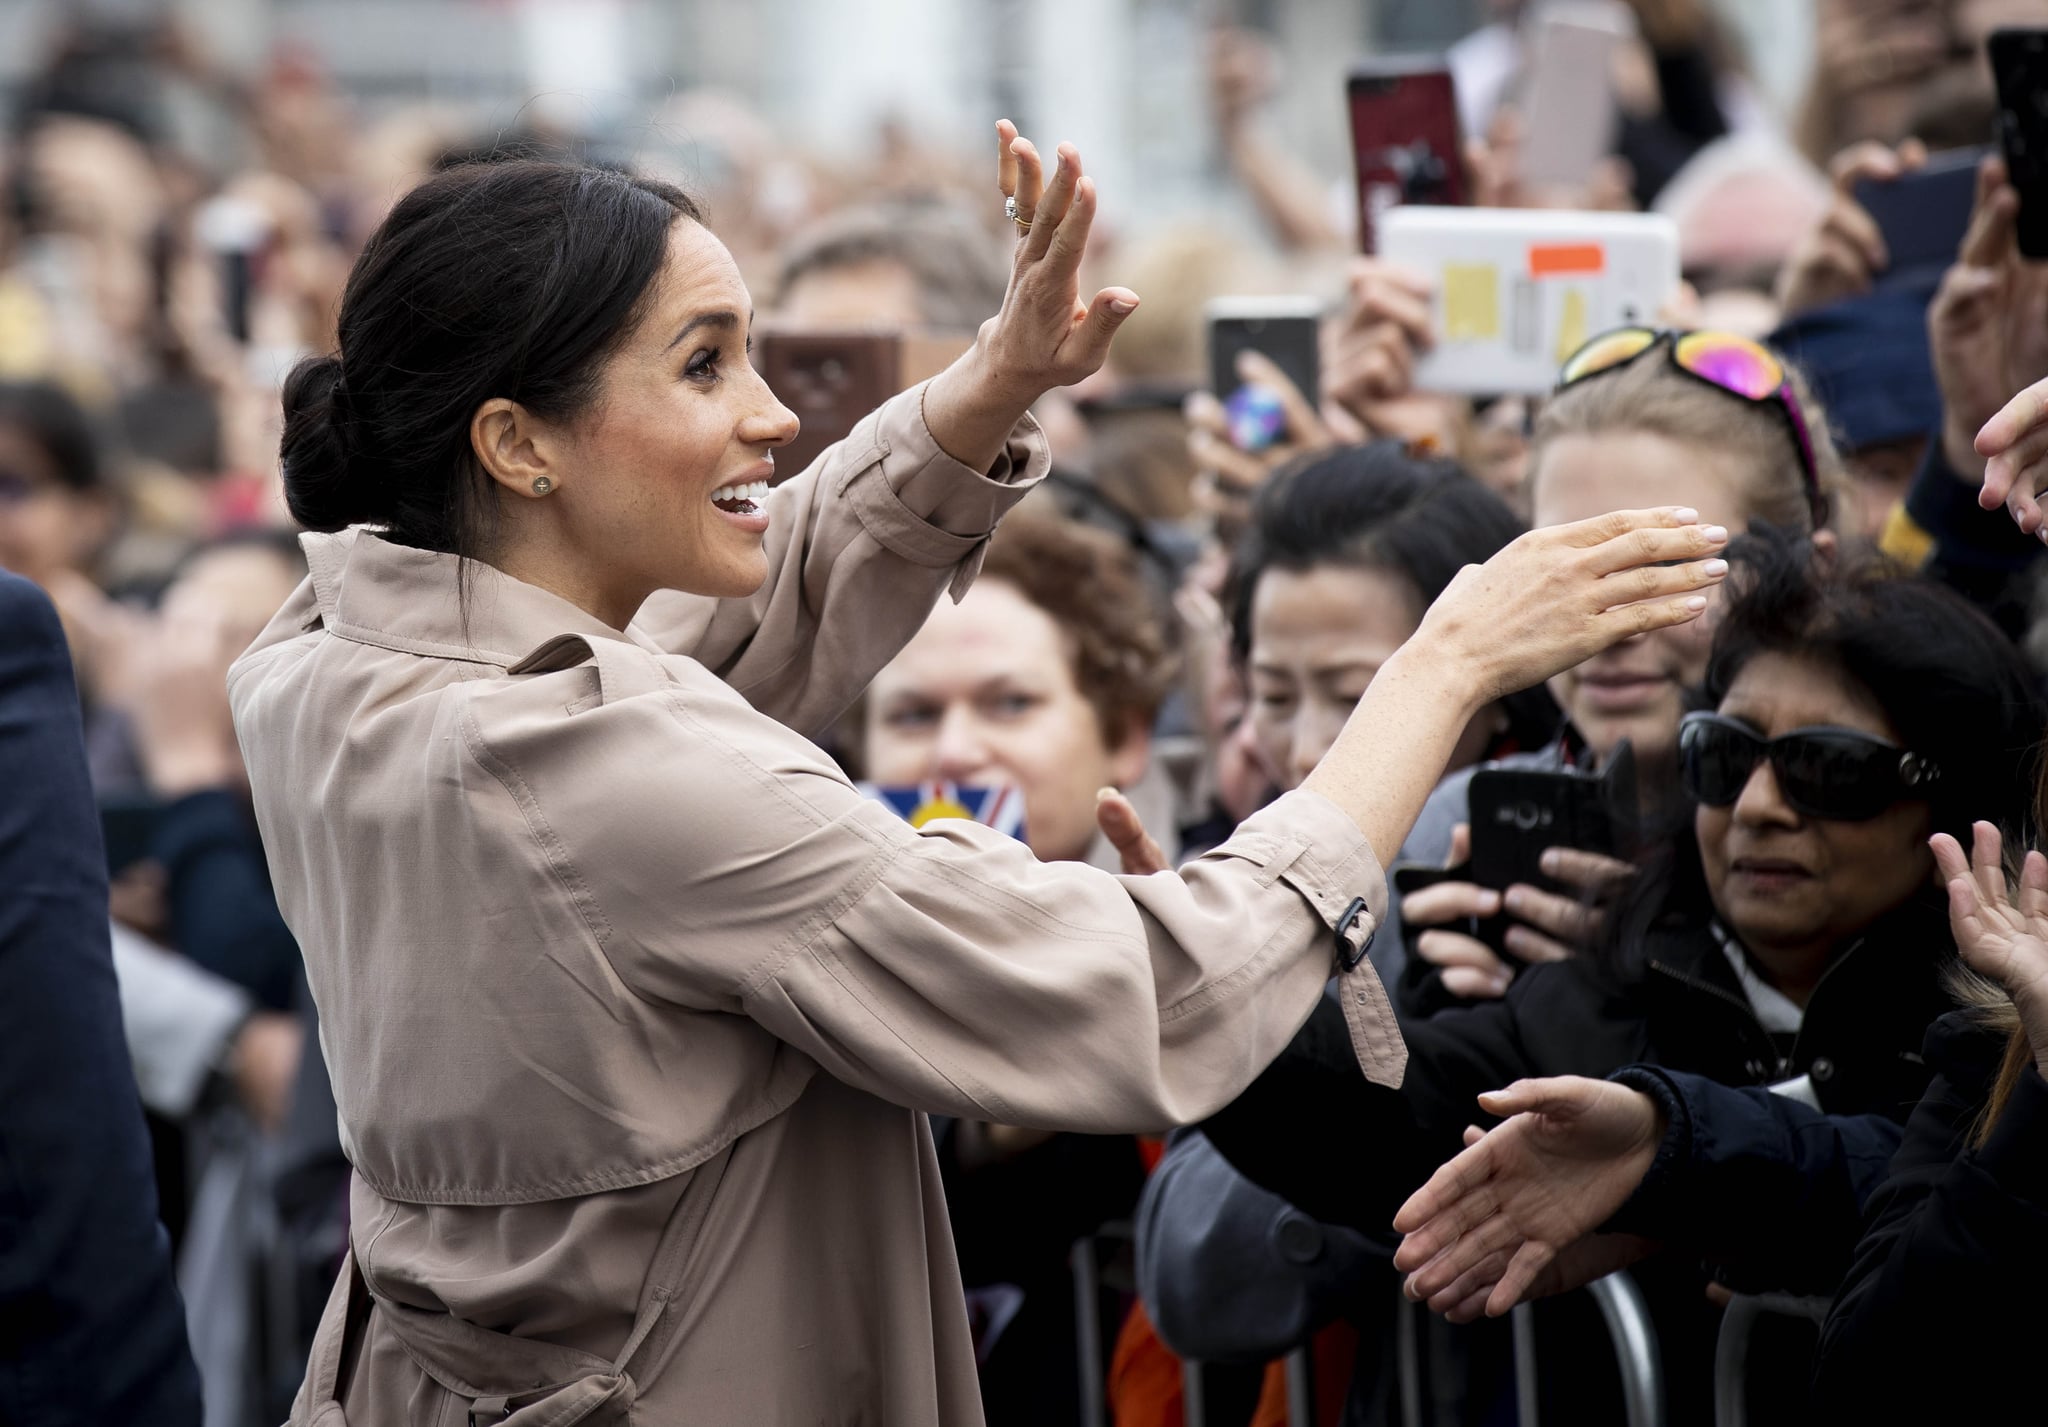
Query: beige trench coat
(634, 1008)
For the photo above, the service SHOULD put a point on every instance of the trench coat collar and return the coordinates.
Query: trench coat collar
(374, 591)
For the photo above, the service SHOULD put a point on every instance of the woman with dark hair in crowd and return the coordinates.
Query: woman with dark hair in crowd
(1792, 936)
(631, 1002)
(1931, 1238)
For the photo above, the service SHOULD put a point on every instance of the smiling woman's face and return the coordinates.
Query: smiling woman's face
(681, 417)
(1792, 887)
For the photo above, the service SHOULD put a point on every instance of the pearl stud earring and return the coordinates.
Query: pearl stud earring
(542, 485)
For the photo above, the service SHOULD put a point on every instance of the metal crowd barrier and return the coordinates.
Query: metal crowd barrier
(1731, 1349)
(1085, 1259)
(1627, 1316)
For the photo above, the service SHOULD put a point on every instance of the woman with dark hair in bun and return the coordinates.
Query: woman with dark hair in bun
(631, 1003)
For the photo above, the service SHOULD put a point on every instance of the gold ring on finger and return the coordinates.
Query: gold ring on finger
(1010, 212)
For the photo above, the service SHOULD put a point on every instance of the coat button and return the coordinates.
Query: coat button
(1298, 1238)
(1823, 1068)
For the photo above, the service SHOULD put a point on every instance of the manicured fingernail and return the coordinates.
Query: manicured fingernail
(1550, 861)
(1122, 307)
(1715, 533)
(1714, 567)
(1685, 515)
(1517, 901)
(1696, 603)
(1489, 903)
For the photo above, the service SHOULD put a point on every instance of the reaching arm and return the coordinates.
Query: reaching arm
(861, 545)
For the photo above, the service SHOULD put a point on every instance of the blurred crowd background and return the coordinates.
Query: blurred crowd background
(187, 182)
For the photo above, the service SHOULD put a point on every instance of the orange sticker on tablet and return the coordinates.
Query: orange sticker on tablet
(1567, 260)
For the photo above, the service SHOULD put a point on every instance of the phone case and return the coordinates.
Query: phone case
(1568, 101)
(1284, 330)
(1518, 290)
(1923, 215)
(1519, 813)
(1405, 140)
(2019, 63)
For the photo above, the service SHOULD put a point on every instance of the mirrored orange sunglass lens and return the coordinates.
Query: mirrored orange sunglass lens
(1606, 351)
(1735, 363)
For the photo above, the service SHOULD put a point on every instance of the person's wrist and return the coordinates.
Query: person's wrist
(976, 395)
(1445, 670)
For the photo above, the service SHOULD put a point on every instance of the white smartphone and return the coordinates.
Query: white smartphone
(1519, 290)
(1567, 93)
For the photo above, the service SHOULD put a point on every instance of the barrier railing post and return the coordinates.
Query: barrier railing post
(1088, 1330)
(1635, 1347)
(1731, 1348)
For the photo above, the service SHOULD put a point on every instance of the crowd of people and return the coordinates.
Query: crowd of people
(521, 988)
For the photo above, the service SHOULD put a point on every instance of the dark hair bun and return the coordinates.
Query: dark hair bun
(321, 486)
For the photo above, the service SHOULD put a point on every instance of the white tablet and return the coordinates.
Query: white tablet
(1519, 290)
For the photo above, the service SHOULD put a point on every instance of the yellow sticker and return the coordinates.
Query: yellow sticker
(1471, 302)
(1571, 325)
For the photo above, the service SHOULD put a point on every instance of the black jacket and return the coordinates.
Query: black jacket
(91, 1327)
(1341, 1149)
(1678, 1005)
(1941, 1316)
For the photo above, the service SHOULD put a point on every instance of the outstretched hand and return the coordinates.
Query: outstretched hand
(1997, 937)
(1510, 1218)
(1554, 597)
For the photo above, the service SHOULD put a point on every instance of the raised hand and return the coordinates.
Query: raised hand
(1987, 329)
(1997, 937)
(1845, 250)
(1489, 1228)
(1045, 336)
(2014, 444)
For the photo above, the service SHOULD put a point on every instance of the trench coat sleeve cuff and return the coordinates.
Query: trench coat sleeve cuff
(1308, 842)
(929, 509)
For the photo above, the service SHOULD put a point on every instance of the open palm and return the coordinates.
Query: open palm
(1998, 937)
(1495, 1219)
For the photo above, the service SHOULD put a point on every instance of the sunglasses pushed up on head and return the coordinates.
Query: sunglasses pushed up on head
(1836, 774)
(1746, 370)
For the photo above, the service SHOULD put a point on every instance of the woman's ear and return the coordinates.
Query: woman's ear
(515, 447)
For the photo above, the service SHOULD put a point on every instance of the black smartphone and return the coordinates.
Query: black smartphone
(1924, 215)
(1405, 144)
(1284, 330)
(2019, 64)
(1519, 813)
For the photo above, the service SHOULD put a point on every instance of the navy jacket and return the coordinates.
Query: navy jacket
(93, 1328)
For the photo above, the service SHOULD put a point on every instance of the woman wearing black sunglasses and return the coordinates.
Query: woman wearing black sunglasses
(1791, 933)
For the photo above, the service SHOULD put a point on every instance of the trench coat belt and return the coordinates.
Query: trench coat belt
(552, 1386)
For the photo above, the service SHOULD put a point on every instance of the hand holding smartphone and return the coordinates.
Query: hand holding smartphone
(1284, 330)
(1405, 141)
